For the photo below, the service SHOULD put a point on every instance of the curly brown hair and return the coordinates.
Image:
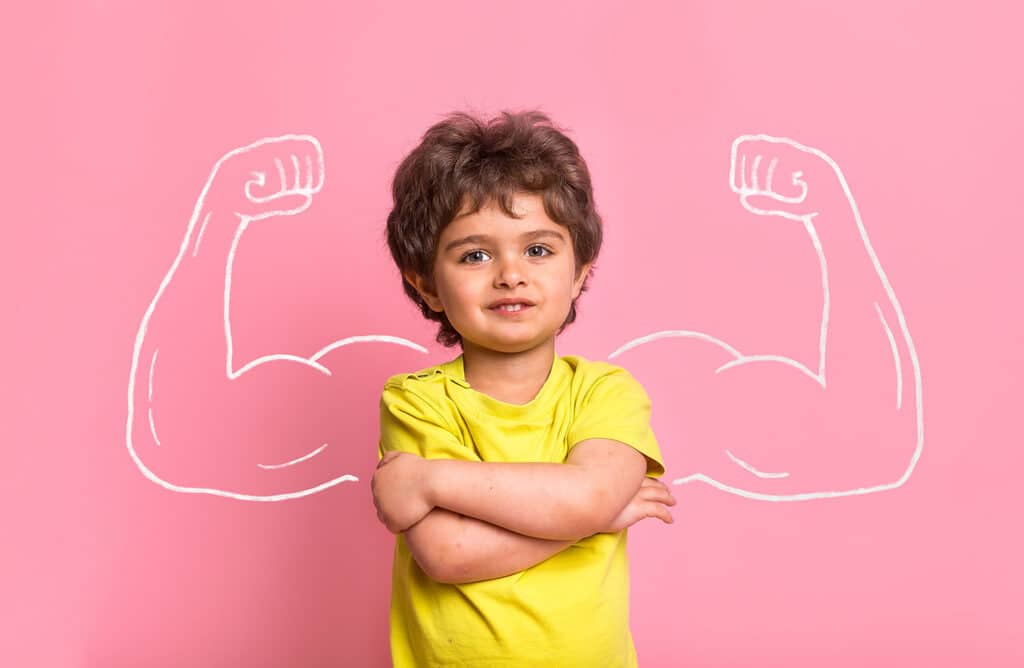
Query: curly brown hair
(463, 161)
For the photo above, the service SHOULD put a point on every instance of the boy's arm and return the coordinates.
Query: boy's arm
(565, 501)
(456, 549)
(556, 501)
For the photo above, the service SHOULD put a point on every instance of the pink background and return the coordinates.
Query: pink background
(115, 117)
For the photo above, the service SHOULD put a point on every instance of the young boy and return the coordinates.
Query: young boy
(509, 473)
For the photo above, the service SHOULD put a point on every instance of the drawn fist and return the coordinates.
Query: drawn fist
(276, 176)
(775, 176)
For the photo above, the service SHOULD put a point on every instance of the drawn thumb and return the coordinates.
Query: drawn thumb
(279, 204)
(771, 204)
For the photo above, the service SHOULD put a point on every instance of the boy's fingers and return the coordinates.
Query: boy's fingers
(662, 494)
(654, 483)
(659, 494)
(661, 512)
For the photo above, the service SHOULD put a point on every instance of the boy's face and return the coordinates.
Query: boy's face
(486, 258)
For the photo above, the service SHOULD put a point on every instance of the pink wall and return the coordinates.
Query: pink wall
(848, 479)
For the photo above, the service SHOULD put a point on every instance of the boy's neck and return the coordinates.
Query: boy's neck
(514, 378)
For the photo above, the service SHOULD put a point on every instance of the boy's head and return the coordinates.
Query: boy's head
(464, 164)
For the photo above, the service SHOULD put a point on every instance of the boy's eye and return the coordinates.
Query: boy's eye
(474, 256)
(538, 251)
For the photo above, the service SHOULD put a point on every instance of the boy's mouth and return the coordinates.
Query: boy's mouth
(510, 305)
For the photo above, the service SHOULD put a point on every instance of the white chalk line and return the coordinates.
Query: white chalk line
(674, 333)
(294, 461)
(895, 357)
(152, 427)
(199, 238)
(152, 367)
(149, 396)
(759, 474)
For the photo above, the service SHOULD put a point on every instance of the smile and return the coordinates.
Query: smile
(510, 308)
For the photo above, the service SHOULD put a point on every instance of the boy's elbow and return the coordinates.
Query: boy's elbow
(440, 565)
(447, 569)
(602, 503)
(436, 573)
(430, 542)
(599, 511)
(450, 573)
(433, 559)
(610, 475)
(586, 514)
(428, 563)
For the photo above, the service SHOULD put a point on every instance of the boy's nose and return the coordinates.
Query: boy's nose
(510, 273)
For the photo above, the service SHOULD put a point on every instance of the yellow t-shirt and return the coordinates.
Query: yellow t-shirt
(570, 610)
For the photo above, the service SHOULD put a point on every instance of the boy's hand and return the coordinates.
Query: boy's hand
(400, 490)
(649, 501)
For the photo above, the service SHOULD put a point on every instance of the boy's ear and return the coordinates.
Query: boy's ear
(425, 290)
(581, 276)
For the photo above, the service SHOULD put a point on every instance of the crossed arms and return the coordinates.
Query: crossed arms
(466, 520)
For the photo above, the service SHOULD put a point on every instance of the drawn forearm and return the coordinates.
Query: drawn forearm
(862, 343)
(191, 311)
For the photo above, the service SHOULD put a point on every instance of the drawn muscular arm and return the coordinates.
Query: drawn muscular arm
(200, 420)
(775, 428)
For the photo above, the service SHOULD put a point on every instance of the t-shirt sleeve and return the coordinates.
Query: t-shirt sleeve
(412, 423)
(618, 408)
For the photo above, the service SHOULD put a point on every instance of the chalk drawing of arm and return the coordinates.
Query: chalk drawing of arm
(200, 421)
(769, 427)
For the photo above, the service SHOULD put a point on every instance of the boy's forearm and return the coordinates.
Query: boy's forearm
(540, 500)
(456, 549)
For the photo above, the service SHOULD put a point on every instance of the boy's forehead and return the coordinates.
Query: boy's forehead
(529, 210)
(522, 203)
(524, 206)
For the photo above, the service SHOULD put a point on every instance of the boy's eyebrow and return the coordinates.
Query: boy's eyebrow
(483, 238)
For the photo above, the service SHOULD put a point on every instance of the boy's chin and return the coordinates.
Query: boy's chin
(509, 346)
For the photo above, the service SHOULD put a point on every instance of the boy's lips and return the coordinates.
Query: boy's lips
(509, 302)
(510, 306)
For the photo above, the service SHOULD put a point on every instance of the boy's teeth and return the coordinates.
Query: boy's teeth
(510, 307)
